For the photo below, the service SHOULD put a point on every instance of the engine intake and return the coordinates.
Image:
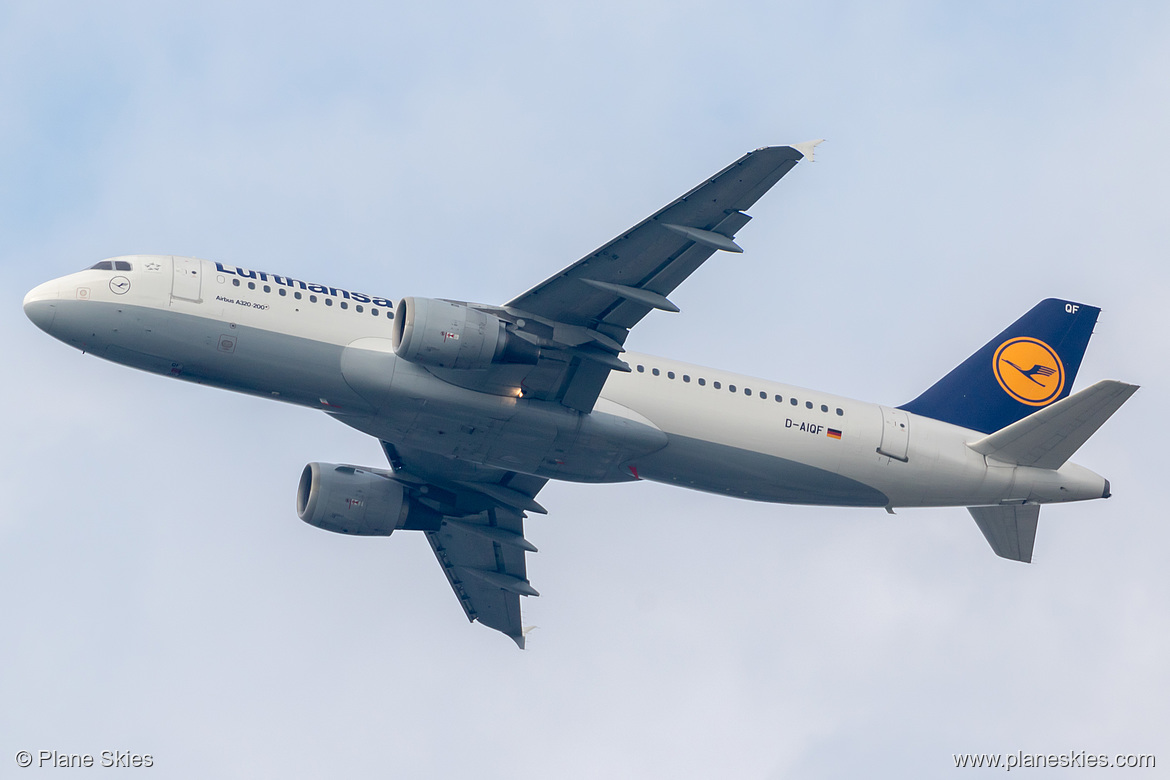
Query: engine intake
(443, 334)
(351, 500)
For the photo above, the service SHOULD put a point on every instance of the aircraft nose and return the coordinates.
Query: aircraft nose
(40, 305)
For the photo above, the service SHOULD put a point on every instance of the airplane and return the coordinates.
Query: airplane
(477, 406)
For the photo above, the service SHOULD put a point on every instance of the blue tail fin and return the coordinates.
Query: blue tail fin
(1030, 365)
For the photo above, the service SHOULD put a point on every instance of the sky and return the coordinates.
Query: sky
(158, 594)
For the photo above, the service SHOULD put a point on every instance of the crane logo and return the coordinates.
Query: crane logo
(1029, 371)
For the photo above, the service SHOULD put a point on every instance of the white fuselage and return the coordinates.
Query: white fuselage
(665, 421)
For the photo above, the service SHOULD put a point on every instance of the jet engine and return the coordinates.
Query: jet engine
(443, 334)
(351, 500)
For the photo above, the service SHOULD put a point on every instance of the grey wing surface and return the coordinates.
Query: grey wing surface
(615, 286)
(480, 542)
(580, 317)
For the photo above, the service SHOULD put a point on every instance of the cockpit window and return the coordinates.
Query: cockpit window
(111, 265)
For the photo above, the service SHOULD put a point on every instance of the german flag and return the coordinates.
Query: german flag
(834, 433)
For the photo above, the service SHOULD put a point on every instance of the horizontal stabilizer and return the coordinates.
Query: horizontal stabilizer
(1049, 437)
(1010, 530)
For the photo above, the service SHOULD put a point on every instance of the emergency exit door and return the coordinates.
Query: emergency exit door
(187, 284)
(895, 434)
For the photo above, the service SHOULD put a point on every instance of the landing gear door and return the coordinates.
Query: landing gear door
(188, 283)
(895, 434)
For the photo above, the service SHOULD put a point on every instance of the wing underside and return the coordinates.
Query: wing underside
(480, 542)
(617, 284)
(488, 576)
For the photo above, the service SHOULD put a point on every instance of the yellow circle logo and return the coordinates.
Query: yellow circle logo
(1029, 371)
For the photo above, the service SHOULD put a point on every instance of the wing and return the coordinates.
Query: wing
(581, 317)
(617, 285)
(480, 543)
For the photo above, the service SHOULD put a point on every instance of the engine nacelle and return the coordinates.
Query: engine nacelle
(450, 335)
(350, 500)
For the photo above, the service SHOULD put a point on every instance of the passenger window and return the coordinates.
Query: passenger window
(251, 285)
(344, 305)
(731, 388)
(686, 377)
(824, 408)
(840, 412)
(670, 375)
(778, 398)
(641, 369)
(282, 292)
(764, 396)
(235, 282)
(328, 301)
(747, 391)
(808, 404)
(297, 295)
(267, 288)
(312, 299)
(359, 308)
(374, 312)
(793, 401)
(702, 381)
(716, 384)
(654, 371)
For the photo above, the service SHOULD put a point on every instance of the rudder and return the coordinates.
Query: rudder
(1028, 366)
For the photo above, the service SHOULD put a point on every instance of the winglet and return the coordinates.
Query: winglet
(807, 147)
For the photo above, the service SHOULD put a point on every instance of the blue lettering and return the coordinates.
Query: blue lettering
(288, 281)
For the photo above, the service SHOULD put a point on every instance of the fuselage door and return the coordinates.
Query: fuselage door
(187, 284)
(895, 434)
